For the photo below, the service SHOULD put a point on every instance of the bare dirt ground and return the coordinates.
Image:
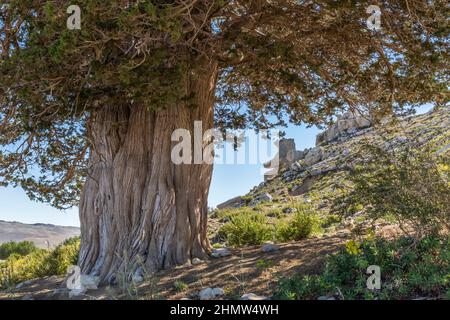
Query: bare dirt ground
(247, 270)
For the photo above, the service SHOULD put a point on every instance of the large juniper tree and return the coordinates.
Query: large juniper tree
(86, 116)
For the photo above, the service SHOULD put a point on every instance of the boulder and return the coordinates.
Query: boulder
(313, 156)
(296, 166)
(236, 202)
(86, 283)
(347, 124)
(265, 197)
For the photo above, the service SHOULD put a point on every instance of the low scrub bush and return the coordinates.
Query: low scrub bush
(408, 185)
(409, 268)
(302, 225)
(246, 228)
(63, 256)
(39, 263)
(19, 248)
(250, 227)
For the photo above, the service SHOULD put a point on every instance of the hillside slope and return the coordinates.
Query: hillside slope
(43, 235)
(320, 175)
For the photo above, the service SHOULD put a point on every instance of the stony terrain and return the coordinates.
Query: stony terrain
(43, 235)
(246, 270)
(314, 176)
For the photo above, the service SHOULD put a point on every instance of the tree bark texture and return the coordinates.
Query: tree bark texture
(138, 209)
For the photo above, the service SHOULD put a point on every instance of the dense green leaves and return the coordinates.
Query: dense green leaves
(406, 183)
(278, 60)
(410, 268)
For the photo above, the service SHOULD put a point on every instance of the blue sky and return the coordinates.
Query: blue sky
(228, 181)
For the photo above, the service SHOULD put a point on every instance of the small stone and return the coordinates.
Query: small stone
(401, 139)
(221, 252)
(252, 296)
(270, 247)
(137, 276)
(77, 292)
(218, 292)
(196, 261)
(25, 283)
(58, 292)
(209, 293)
(326, 298)
(90, 282)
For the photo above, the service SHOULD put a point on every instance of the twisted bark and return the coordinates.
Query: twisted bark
(137, 207)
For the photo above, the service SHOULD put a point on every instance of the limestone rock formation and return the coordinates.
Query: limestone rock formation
(236, 202)
(347, 123)
(287, 154)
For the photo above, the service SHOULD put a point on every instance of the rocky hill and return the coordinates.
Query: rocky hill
(314, 174)
(43, 235)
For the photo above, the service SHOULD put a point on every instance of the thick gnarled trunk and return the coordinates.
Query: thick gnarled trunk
(137, 207)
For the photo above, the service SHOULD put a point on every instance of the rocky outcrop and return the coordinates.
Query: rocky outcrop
(348, 123)
(287, 154)
(347, 126)
(265, 197)
(232, 203)
(338, 149)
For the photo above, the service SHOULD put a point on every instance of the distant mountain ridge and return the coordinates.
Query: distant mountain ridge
(43, 235)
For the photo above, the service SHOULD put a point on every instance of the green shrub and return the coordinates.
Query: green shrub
(180, 286)
(409, 268)
(331, 220)
(63, 256)
(406, 184)
(21, 248)
(302, 225)
(39, 263)
(246, 228)
(20, 268)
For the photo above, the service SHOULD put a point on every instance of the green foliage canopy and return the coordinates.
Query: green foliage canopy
(278, 60)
